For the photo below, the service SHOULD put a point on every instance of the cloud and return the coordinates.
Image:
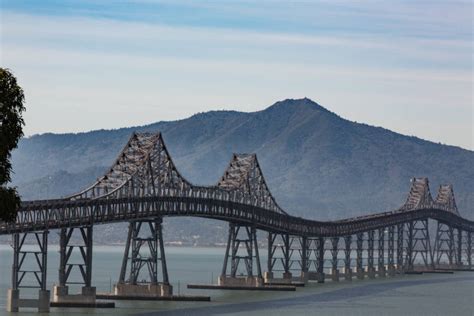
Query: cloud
(105, 73)
(29, 27)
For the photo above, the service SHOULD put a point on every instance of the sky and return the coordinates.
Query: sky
(86, 65)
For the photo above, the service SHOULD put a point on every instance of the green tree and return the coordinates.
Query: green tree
(11, 130)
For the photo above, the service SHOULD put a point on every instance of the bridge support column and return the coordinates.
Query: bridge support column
(320, 260)
(246, 235)
(315, 255)
(83, 248)
(400, 247)
(279, 253)
(334, 259)
(469, 249)
(347, 258)
(409, 249)
(304, 254)
(444, 245)
(391, 251)
(422, 243)
(144, 247)
(459, 248)
(359, 251)
(268, 275)
(381, 253)
(370, 254)
(21, 274)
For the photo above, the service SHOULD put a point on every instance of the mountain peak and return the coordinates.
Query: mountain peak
(292, 104)
(303, 106)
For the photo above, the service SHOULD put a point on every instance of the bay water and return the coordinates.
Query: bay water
(429, 294)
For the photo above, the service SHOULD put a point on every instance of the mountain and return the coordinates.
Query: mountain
(317, 164)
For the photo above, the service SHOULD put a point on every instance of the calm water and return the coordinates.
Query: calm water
(435, 294)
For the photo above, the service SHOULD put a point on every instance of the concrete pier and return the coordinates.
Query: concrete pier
(347, 274)
(43, 301)
(399, 269)
(287, 276)
(335, 275)
(304, 277)
(381, 272)
(391, 271)
(321, 277)
(61, 295)
(243, 287)
(360, 273)
(267, 277)
(316, 276)
(240, 281)
(371, 272)
(180, 298)
(155, 290)
(14, 302)
(286, 279)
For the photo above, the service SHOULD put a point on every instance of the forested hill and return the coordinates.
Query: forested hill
(316, 163)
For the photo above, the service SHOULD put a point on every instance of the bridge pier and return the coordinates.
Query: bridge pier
(422, 243)
(334, 259)
(314, 268)
(36, 276)
(469, 249)
(144, 247)
(246, 235)
(320, 276)
(459, 248)
(400, 248)
(409, 248)
(391, 251)
(83, 249)
(304, 255)
(381, 271)
(279, 253)
(370, 254)
(347, 258)
(444, 245)
(359, 259)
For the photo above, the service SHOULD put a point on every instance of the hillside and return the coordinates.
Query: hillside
(317, 164)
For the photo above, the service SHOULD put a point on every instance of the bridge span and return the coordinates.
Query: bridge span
(143, 186)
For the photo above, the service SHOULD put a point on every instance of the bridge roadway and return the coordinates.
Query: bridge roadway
(55, 214)
(143, 186)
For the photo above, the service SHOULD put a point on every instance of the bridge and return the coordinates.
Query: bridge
(143, 186)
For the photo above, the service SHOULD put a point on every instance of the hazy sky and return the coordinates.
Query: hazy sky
(403, 65)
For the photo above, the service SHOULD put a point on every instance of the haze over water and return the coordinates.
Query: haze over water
(436, 294)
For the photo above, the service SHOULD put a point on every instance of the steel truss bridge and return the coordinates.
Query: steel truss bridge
(143, 186)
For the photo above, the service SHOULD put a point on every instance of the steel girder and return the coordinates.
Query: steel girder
(248, 254)
(21, 270)
(391, 248)
(55, 215)
(360, 253)
(280, 252)
(444, 243)
(82, 249)
(144, 249)
(370, 249)
(400, 246)
(381, 248)
(334, 253)
(347, 253)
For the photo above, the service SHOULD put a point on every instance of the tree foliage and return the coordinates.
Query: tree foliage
(11, 130)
